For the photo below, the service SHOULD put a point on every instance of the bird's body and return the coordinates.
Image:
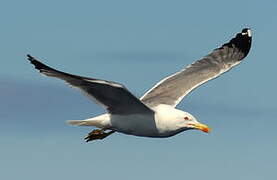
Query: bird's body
(154, 114)
(163, 122)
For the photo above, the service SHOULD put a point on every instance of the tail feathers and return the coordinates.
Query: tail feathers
(98, 121)
(81, 123)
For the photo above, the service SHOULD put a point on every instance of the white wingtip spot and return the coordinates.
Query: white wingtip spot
(249, 32)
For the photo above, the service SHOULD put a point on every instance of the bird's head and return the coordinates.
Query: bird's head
(189, 122)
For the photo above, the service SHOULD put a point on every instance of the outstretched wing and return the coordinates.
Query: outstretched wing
(174, 88)
(112, 96)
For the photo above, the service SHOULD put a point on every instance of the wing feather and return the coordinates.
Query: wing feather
(171, 90)
(111, 95)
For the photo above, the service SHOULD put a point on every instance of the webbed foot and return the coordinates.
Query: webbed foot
(97, 134)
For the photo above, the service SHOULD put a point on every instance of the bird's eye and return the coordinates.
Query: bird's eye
(186, 118)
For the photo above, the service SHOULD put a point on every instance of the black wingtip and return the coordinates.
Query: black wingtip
(30, 58)
(242, 41)
(246, 31)
(38, 65)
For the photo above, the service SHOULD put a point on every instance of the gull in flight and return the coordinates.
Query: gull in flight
(154, 114)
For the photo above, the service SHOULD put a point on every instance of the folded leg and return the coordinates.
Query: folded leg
(98, 134)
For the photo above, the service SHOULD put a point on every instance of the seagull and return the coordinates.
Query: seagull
(155, 113)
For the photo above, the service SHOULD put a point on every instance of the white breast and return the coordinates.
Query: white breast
(167, 119)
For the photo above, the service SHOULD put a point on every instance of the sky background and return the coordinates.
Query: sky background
(135, 43)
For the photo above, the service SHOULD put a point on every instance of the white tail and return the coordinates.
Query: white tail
(81, 123)
(99, 121)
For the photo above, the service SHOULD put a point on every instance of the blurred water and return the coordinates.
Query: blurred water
(137, 44)
(36, 142)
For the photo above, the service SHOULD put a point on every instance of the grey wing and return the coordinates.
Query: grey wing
(174, 88)
(112, 96)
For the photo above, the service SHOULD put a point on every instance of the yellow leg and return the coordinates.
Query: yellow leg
(97, 134)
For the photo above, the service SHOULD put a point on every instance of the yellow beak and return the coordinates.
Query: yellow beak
(202, 127)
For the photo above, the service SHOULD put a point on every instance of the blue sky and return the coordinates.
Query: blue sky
(136, 43)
